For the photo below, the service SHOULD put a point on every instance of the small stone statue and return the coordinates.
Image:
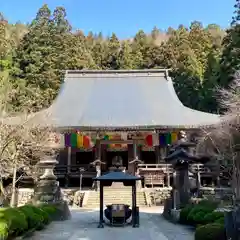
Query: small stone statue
(117, 161)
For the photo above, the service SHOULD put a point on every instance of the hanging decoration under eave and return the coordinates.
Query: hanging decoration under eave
(78, 140)
(83, 141)
(168, 138)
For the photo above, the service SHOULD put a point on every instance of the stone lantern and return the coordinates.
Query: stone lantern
(47, 188)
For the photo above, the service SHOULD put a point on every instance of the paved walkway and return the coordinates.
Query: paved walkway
(83, 226)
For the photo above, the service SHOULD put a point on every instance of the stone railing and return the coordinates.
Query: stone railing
(154, 196)
(221, 193)
(73, 196)
(158, 195)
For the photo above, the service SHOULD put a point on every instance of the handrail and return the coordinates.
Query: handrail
(168, 168)
(64, 169)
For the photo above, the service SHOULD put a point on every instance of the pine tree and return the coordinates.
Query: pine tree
(125, 58)
(112, 53)
(230, 62)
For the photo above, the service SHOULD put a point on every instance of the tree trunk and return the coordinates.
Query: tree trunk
(236, 178)
(2, 189)
(13, 202)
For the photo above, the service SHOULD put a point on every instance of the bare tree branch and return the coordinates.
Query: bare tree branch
(223, 141)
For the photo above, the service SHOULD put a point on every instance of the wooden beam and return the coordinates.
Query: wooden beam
(116, 141)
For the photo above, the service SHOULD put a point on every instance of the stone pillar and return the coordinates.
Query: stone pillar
(168, 176)
(174, 191)
(198, 178)
(183, 186)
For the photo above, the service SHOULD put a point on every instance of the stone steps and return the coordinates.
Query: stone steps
(115, 196)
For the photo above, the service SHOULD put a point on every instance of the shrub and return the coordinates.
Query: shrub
(51, 210)
(44, 215)
(209, 204)
(16, 220)
(3, 229)
(195, 214)
(199, 218)
(212, 217)
(36, 218)
(220, 220)
(211, 231)
(192, 219)
(183, 218)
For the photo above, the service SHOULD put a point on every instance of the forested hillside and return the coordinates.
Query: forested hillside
(33, 57)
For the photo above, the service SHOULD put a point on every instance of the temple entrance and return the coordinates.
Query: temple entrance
(148, 157)
(119, 157)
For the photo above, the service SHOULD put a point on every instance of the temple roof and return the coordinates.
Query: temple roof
(123, 99)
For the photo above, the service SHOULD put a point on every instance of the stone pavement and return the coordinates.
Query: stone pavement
(83, 226)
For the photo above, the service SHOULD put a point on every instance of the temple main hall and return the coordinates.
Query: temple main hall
(116, 117)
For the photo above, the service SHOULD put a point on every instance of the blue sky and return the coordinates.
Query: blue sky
(125, 17)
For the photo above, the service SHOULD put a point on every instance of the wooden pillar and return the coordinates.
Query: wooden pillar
(134, 205)
(130, 158)
(98, 150)
(135, 152)
(168, 175)
(157, 154)
(100, 225)
(69, 158)
(135, 156)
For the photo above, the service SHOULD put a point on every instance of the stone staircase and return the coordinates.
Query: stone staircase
(115, 195)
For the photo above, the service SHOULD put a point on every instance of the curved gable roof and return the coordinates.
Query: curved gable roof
(122, 99)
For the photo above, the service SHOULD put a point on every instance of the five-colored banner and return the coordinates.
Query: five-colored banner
(79, 140)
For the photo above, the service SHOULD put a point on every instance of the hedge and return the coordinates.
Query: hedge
(211, 231)
(209, 223)
(17, 221)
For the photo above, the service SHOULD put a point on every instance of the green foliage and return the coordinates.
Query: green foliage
(4, 230)
(195, 214)
(210, 231)
(16, 221)
(220, 220)
(37, 55)
(198, 218)
(209, 224)
(184, 214)
(209, 204)
(35, 216)
(50, 210)
(213, 217)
